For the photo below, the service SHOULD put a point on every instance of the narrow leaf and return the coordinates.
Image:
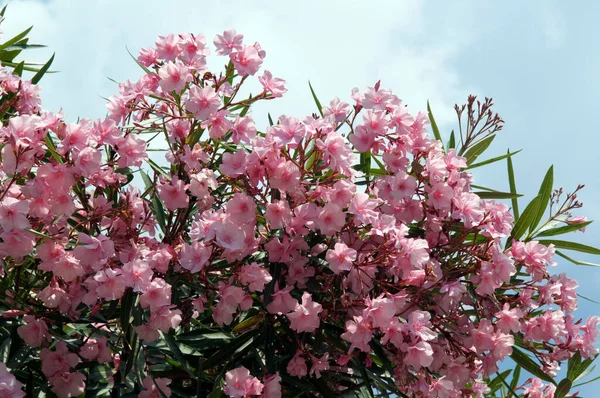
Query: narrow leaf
(545, 192)
(15, 39)
(529, 365)
(526, 218)
(319, 107)
(577, 262)
(493, 160)
(513, 186)
(564, 229)
(434, 127)
(452, 141)
(477, 149)
(563, 388)
(579, 247)
(38, 76)
(496, 195)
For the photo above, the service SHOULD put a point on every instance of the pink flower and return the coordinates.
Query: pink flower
(138, 275)
(173, 194)
(467, 206)
(282, 301)
(10, 387)
(174, 76)
(157, 295)
(13, 214)
(165, 318)
(58, 362)
(35, 332)
(67, 385)
(203, 102)
(240, 384)
(228, 42)
(131, 150)
(229, 236)
(155, 388)
(167, 47)
(331, 219)
(241, 208)
(234, 164)
(278, 214)
(194, 257)
(297, 366)
(247, 61)
(255, 276)
(273, 85)
(96, 349)
(319, 365)
(111, 284)
(418, 355)
(340, 258)
(243, 129)
(305, 317)
(272, 387)
(339, 110)
(358, 333)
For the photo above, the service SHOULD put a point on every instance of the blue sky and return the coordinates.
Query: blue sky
(539, 60)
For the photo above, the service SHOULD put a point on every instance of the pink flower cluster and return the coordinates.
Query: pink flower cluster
(355, 223)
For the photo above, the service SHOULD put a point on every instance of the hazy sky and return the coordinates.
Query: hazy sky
(539, 60)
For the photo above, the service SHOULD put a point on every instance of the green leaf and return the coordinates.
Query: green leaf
(564, 229)
(579, 247)
(493, 160)
(319, 107)
(5, 350)
(495, 384)
(157, 168)
(529, 365)
(545, 192)
(526, 219)
(496, 195)
(477, 149)
(515, 379)
(38, 76)
(587, 382)
(452, 141)
(563, 388)
(270, 119)
(159, 213)
(226, 353)
(15, 39)
(513, 186)
(577, 262)
(434, 126)
(137, 62)
(18, 68)
(177, 354)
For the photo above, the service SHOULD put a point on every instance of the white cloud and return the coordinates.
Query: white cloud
(336, 44)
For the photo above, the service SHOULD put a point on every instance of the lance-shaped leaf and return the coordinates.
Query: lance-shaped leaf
(493, 160)
(544, 193)
(563, 388)
(529, 365)
(577, 262)
(563, 244)
(525, 220)
(513, 186)
(319, 107)
(434, 126)
(15, 39)
(496, 195)
(564, 229)
(38, 76)
(473, 153)
(452, 141)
